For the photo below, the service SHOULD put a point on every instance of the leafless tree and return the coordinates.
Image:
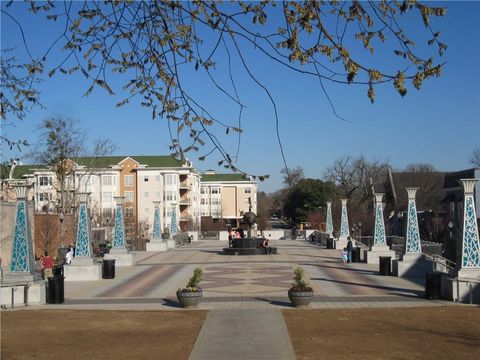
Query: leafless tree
(292, 176)
(153, 45)
(475, 159)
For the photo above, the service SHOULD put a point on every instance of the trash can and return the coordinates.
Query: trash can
(330, 243)
(108, 269)
(55, 290)
(356, 254)
(57, 271)
(433, 285)
(385, 267)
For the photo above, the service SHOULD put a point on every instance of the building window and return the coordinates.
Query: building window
(107, 180)
(45, 180)
(170, 179)
(128, 180)
(158, 194)
(215, 191)
(129, 212)
(215, 201)
(170, 196)
(145, 194)
(107, 197)
(147, 210)
(203, 201)
(157, 178)
(202, 190)
(145, 178)
(44, 196)
(248, 191)
(128, 196)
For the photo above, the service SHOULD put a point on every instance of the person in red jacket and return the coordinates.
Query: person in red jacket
(48, 265)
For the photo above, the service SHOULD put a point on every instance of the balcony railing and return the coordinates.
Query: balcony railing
(184, 201)
(185, 185)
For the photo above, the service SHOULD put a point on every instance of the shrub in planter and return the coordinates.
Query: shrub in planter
(191, 295)
(300, 294)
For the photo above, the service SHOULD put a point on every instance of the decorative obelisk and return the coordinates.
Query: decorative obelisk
(173, 227)
(22, 266)
(413, 247)
(344, 228)
(380, 247)
(83, 266)
(413, 264)
(469, 266)
(119, 251)
(156, 243)
(329, 225)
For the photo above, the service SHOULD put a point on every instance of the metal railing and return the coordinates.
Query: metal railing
(441, 264)
(469, 283)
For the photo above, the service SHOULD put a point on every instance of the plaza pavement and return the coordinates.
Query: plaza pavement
(243, 282)
(243, 293)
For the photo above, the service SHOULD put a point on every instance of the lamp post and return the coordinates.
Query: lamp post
(61, 217)
(359, 231)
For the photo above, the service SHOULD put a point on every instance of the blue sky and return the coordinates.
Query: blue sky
(439, 124)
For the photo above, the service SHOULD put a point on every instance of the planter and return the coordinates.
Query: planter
(165, 236)
(300, 298)
(189, 299)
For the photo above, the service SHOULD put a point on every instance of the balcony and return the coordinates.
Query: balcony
(185, 201)
(185, 185)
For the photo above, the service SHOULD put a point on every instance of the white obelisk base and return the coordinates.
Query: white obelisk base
(82, 268)
(171, 244)
(411, 265)
(23, 288)
(465, 288)
(156, 245)
(121, 256)
(372, 256)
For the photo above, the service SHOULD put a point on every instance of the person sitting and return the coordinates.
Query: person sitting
(266, 247)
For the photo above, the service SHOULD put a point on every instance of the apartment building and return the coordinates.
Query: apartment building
(227, 196)
(142, 181)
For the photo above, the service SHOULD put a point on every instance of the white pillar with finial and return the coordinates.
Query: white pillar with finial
(83, 266)
(156, 242)
(21, 282)
(344, 227)
(380, 247)
(469, 262)
(413, 263)
(173, 226)
(119, 251)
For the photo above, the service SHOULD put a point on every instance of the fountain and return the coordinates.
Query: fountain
(249, 245)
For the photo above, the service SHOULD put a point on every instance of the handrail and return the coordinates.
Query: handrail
(469, 282)
(441, 264)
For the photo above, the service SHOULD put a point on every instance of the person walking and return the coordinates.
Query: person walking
(349, 249)
(47, 264)
(69, 256)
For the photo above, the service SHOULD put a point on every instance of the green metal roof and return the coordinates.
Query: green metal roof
(97, 162)
(224, 177)
(20, 170)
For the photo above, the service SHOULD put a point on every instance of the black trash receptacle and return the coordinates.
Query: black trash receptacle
(330, 243)
(385, 266)
(55, 290)
(433, 285)
(57, 271)
(108, 269)
(356, 254)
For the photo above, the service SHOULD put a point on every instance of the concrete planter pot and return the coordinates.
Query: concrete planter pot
(189, 299)
(300, 298)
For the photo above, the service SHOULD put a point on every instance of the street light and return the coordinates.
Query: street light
(61, 217)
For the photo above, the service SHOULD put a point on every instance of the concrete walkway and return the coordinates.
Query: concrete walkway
(240, 334)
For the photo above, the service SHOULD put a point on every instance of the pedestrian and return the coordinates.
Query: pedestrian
(69, 256)
(230, 237)
(344, 255)
(47, 263)
(349, 249)
(266, 247)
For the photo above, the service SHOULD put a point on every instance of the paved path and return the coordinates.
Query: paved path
(244, 282)
(240, 334)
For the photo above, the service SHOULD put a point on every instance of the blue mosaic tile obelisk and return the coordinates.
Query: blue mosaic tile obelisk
(119, 231)
(470, 239)
(329, 225)
(23, 257)
(173, 222)
(412, 242)
(344, 229)
(379, 233)
(83, 244)
(157, 225)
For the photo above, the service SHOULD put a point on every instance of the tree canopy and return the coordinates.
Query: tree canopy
(306, 196)
(152, 46)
